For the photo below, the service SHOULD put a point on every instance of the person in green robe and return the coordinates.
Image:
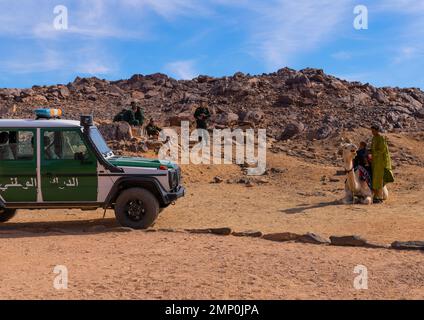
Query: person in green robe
(381, 163)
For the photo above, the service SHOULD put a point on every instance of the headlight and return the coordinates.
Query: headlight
(173, 179)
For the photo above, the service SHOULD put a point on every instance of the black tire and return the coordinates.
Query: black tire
(6, 214)
(136, 208)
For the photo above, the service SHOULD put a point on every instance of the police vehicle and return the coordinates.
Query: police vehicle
(50, 163)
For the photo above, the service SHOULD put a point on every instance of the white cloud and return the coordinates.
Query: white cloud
(409, 44)
(283, 29)
(276, 32)
(342, 55)
(183, 69)
(78, 49)
(92, 18)
(93, 68)
(169, 9)
(406, 53)
(358, 76)
(48, 60)
(413, 12)
(90, 60)
(47, 31)
(402, 6)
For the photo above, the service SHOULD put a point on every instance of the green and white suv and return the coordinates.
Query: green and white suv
(50, 163)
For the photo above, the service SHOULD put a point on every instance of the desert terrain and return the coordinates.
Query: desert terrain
(298, 194)
(306, 114)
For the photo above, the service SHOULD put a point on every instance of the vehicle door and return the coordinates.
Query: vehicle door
(18, 165)
(68, 167)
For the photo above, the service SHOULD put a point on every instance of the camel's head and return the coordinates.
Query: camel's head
(348, 151)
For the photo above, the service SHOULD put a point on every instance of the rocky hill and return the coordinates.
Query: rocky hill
(291, 104)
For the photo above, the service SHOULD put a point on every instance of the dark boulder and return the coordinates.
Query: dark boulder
(292, 129)
(408, 245)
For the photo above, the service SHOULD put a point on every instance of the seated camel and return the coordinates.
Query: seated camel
(354, 186)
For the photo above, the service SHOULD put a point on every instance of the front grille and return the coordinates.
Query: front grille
(179, 175)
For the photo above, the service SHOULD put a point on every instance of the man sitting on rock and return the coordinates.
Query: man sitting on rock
(152, 129)
(202, 116)
(139, 116)
(120, 116)
(129, 115)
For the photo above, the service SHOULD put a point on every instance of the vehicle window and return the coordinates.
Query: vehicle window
(64, 145)
(16, 145)
(99, 141)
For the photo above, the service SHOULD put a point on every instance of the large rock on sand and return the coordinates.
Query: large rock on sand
(116, 131)
(408, 245)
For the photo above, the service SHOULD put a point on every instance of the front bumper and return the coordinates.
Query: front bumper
(170, 197)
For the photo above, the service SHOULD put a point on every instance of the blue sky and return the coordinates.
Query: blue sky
(115, 39)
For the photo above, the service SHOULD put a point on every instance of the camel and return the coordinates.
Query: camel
(354, 186)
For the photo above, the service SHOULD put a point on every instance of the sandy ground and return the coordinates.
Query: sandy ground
(141, 265)
(182, 266)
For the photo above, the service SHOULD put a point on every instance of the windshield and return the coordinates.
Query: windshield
(100, 143)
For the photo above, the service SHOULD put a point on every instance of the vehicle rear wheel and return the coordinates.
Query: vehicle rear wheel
(136, 208)
(6, 214)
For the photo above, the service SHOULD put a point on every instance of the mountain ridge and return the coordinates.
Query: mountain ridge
(307, 103)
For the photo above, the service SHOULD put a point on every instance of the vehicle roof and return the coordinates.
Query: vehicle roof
(53, 123)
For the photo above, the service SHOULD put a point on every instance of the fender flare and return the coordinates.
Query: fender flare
(149, 183)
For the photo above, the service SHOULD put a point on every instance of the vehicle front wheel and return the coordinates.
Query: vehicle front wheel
(136, 208)
(6, 214)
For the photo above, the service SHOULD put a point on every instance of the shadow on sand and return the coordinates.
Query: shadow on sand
(302, 208)
(55, 228)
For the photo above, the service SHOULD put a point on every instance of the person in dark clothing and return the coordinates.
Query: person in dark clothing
(139, 116)
(362, 156)
(129, 116)
(202, 115)
(152, 129)
(120, 116)
(362, 164)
